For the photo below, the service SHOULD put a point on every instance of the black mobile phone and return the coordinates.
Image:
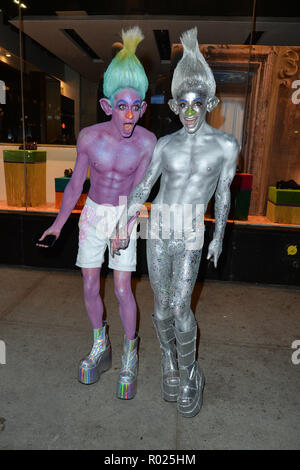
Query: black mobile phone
(48, 241)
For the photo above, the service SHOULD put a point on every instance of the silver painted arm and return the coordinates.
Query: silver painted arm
(222, 198)
(140, 193)
(136, 199)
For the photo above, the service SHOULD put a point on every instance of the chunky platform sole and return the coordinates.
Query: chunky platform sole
(193, 409)
(126, 391)
(88, 376)
(169, 392)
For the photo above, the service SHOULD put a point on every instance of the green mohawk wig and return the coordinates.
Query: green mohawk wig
(125, 70)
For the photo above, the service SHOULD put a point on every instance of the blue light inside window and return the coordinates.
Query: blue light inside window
(157, 99)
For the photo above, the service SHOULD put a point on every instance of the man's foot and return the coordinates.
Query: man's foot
(127, 383)
(192, 381)
(98, 361)
(170, 373)
(191, 376)
(170, 384)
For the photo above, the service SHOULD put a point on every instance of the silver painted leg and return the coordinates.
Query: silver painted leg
(191, 376)
(127, 383)
(170, 373)
(98, 361)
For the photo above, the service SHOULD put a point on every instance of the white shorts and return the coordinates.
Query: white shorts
(96, 224)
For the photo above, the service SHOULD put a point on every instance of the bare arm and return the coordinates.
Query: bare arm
(75, 185)
(140, 173)
(141, 191)
(146, 160)
(138, 197)
(222, 197)
(73, 189)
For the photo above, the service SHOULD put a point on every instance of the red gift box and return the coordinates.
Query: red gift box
(242, 181)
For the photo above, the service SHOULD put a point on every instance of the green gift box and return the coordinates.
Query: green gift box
(25, 188)
(19, 156)
(287, 197)
(60, 186)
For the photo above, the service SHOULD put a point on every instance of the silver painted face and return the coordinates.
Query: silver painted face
(192, 110)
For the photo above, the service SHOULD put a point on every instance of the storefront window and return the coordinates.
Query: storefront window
(256, 72)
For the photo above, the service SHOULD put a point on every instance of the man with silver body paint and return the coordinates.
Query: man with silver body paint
(194, 163)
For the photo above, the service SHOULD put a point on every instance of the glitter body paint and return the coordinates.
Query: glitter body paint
(194, 163)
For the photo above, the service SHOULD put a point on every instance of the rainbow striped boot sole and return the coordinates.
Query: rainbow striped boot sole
(89, 371)
(126, 391)
(127, 383)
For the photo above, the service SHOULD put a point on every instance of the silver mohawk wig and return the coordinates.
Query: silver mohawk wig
(192, 71)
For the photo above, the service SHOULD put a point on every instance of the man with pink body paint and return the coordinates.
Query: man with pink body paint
(118, 153)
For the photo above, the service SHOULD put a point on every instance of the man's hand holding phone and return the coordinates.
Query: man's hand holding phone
(48, 238)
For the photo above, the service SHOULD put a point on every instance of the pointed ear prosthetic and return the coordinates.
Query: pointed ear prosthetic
(212, 103)
(143, 108)
(173, 106)
(106, 106)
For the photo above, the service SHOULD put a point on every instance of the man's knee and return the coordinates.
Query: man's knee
(122, 291)
(161, 296)
(180, 307)
(90, 285)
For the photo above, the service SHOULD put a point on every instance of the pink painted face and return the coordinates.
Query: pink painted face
(127, 110)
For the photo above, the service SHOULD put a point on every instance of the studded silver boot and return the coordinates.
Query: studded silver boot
(192, 380)
(170, 373)
(127, 383)
(99, 359)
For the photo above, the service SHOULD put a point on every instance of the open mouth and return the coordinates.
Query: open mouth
(128, 127)
(190, 122)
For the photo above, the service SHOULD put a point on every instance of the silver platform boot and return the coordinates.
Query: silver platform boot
(170, 373)
(127, 383)
(192, 380)
(99, 359)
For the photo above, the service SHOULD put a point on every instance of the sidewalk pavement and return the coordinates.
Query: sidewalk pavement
(251, 398)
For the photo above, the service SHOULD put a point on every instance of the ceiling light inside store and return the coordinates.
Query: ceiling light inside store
(22, 5)
(7, 54)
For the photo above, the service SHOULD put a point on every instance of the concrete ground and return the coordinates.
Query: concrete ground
(251, 397)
